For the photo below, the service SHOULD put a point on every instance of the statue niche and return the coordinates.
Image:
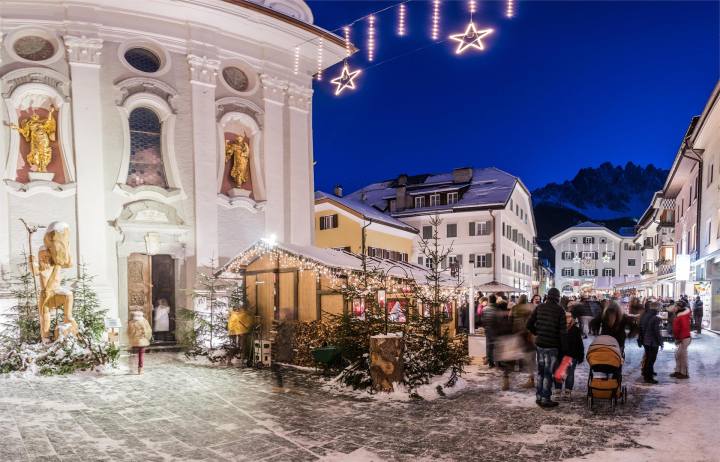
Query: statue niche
(237, 177)
(39, 156)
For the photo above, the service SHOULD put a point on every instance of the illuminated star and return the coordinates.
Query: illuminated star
(471, 38)
(606, 259)
(345, 80)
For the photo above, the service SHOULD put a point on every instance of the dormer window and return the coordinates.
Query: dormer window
(588, 240)
(452, 198)
(419, 202)
(434, 200)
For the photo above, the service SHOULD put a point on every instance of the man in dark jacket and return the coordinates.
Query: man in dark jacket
(548, 325)
(650, 339)
(698, 314)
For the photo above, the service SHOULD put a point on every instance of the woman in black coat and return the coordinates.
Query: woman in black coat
(614, 323)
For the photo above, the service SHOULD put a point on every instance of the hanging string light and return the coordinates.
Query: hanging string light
(346, 32)
(371, 38)
(509, 8)
(435, 34)
(296, 61)
(402, 13)
(320, 59)
(472, 5)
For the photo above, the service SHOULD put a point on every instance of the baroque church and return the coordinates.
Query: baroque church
(168, 134)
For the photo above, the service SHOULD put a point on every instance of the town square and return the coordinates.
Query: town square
(288, 230)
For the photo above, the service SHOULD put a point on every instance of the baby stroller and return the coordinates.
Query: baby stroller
(605, 379)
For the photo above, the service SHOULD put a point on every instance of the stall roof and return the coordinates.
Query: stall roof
(335, 259)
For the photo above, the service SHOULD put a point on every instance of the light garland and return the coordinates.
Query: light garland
(435, 33)
(320, 59)
(371, 38)
(296, 61)
(472, 5)
(346, 79)
(402, 13)
(471, 38)
(509, 8)
(346, 32)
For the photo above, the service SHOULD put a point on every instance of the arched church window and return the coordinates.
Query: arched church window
(146, 164)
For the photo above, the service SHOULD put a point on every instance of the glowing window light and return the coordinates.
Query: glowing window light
(371, 38)
(436, 20)
(296, 61)
(402, 13)
(510, 8)
(320, 59)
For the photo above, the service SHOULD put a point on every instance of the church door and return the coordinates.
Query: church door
(140, 285)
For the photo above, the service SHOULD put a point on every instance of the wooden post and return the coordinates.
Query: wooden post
(386, 364)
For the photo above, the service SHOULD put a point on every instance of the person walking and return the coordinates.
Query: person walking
(681, 333)
(488, 322)
(650, 340)
(698, 314)
(520, 314)
(614, 323)
(501, 325)
(548, 325)
(573, 347)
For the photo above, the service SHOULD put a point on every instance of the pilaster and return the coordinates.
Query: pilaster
(93, 232)
(203, 76)
(301, 171)
(276, 181)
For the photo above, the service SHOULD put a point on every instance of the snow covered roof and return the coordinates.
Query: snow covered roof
(334, 259)
(365, 211)
(487, 188)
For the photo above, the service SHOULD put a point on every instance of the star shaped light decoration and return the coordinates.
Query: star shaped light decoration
(471, 38)
(346, 79)
(606, 258)
(577, 259)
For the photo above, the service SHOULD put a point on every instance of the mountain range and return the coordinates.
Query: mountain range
(612, 195)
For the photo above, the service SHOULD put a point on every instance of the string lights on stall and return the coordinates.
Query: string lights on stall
(470, 39)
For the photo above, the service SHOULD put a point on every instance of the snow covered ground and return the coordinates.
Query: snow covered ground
(190, 411)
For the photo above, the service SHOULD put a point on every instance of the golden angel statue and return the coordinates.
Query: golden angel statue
(39, 133)
(53, 256)
(239, 152)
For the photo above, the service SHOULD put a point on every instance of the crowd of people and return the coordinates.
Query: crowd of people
(539, 334)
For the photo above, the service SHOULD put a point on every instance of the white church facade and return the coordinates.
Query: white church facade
(180, 132)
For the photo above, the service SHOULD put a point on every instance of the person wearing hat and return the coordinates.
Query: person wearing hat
(548, 325)
(681, 333)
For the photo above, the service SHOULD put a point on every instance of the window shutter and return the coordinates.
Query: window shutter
(335, 221)
(459, 260)
(472, 228)
(471, 258)
(488, 260)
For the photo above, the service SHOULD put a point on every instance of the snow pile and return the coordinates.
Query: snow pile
(436, 388)
(63, 356)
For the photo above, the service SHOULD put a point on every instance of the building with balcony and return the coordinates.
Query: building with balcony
(486, 219)
(590, 257)
(656, 237)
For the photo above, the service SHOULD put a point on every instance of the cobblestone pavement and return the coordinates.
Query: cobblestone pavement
(182, 411)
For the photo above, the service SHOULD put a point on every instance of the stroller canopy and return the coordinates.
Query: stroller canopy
(604, 350)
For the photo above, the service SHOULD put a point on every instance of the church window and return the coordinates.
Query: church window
(146, 163)
(143, 59)
(236, 79)
(34, 48)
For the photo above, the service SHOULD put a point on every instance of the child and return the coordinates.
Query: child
(572, 345)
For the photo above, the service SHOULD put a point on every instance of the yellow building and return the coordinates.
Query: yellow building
(341, 222)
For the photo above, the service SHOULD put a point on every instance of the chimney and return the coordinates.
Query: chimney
(462, 175)
(402, 179)
(338, 190)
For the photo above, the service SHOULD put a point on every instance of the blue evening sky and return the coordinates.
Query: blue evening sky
(563, 85)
